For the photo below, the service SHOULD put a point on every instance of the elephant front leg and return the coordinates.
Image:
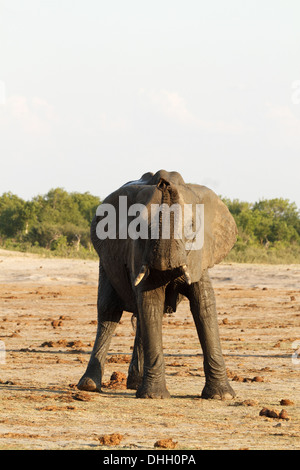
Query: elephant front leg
(91, 380)
(136, 367)
(109, 315)
(203, 307)
(150, 306)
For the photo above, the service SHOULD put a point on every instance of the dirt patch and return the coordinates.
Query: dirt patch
(47, 329)
(119, 359)
(62, 343)
(286, 402)
(274, 414)
(166, 444)
(117, 381)
(57, 408)
(111, 439)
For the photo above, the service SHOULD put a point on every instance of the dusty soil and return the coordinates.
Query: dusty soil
(47, 328)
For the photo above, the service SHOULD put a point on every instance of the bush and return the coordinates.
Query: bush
(268, 231)
(56, 223)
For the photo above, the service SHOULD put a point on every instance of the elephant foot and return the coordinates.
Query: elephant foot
(89, 385)
(134, 381)
(218, 391)
(154, 391)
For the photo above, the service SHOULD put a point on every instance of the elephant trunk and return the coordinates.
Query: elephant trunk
(165, 252)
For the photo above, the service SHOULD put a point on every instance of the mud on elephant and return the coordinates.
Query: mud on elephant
(149, 273)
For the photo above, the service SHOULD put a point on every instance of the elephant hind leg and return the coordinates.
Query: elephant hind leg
(109, 315)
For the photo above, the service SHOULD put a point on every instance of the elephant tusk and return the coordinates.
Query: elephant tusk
(186, 274)
(143, 272)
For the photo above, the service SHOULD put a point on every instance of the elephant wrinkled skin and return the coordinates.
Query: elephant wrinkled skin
(149, 277)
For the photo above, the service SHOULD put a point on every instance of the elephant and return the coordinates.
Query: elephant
(150, 275)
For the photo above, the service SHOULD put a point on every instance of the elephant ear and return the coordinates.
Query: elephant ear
(220, 230)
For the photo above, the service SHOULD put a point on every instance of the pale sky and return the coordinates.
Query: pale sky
(95, 93)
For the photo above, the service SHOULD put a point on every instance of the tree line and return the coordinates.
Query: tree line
(59, 223)
(268, 231)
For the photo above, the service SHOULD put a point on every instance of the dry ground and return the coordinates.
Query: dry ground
(47, 328)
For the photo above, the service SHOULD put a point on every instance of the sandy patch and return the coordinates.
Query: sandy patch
(48, 325)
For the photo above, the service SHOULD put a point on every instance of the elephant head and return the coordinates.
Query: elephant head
(175, 235)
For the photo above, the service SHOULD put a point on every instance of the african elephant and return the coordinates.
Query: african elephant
(149, 275)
